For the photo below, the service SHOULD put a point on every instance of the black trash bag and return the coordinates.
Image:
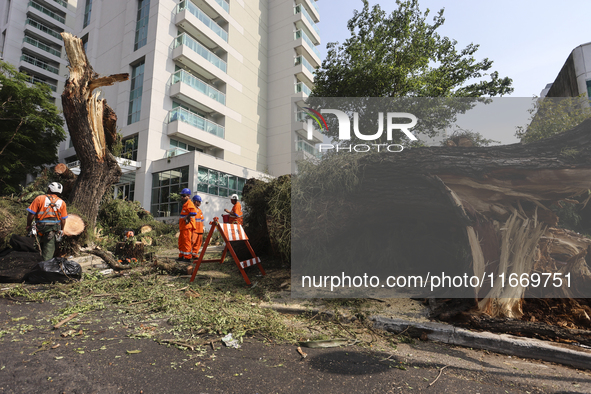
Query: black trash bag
(19, 244)
(58, 269)
(22, 244)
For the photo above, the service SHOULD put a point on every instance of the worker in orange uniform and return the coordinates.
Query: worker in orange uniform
(49, 212)
(186, 226)
(236, 212)
(198, 233)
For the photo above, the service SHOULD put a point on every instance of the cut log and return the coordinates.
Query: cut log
(91, 124)
(174, 267)
(74, 225)
(109, 259)
(145, 229)
(63, 171)
(146, 241)
(67, 179)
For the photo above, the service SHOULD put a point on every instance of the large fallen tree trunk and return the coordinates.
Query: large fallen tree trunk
(92, 126)
(498, 197)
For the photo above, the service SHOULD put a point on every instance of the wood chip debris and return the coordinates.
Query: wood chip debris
(301, 352)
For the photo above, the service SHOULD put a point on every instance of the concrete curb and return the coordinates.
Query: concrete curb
(500, 343)
(440, 332)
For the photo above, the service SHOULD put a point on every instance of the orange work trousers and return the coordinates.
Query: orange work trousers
(185, 243)
(197, 240)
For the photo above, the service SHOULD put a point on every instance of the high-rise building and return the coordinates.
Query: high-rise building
(30, 39)
(574, 78)
(212, 91)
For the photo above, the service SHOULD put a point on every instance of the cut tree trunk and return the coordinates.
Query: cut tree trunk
(145, 229)
(92, 126)
(63, 171)
(74, 225)
(498, 197)
(67, 179)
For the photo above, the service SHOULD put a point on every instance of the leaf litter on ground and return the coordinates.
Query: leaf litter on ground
(154, 305)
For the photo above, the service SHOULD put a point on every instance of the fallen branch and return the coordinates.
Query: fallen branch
(173, 342)
(440, 371)
(109, 259)
(67, 319)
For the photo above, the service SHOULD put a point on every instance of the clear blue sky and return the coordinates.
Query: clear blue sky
(528, 40)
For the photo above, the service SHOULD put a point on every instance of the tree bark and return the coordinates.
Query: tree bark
(498, 196)
(92, 126)
(109, 259)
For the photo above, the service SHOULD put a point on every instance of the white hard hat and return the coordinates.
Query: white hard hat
(55, 187)
(234, 197)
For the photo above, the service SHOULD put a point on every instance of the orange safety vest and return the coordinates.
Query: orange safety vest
(190, 211)
(199, 219)
(48, 209)
(236, 214)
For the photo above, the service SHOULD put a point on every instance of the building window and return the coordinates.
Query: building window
(85, 43)
(87, 11)
(180, 148)
(219, 183)
(129, 150)
(141, 27)
(163, 184)
(7, 11)
(589, 89)
(125, 189)
(135, 97)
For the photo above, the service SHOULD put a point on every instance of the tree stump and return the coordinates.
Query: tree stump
(130, 250)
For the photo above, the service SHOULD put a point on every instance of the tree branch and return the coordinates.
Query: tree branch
(14, 135)
(106, 81)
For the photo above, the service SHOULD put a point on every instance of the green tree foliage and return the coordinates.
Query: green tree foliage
(554, 115)
(402, 54)
(30, 128)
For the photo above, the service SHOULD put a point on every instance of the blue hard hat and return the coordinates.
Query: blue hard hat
(186, 191)
(197, 198)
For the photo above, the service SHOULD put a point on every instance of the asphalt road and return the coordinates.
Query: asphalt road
(99, 357)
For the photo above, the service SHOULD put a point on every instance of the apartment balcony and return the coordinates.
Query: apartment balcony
(39, 66)
(35, 46)
(214, 8)
(47, 15)
(312, 9)
(300, 126)
(308, 149)
(35, 79)
(189, 51)
(301, 87)
(126, 165)
(187, 11)
(303, 44)
(175, 152)
(61, 3)
(57, 17)
(305, 22)
(304, 70)
(194, 128)
(190, 89)
(48, 33)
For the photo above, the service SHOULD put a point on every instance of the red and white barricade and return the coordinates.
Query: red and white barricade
(229, 232)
